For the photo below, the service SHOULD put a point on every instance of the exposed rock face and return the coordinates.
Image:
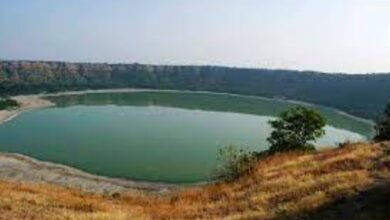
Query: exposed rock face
(50, 72)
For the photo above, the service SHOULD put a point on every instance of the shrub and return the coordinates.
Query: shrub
(295, 128)
(6, 103)
(382, 127)
(234, 162)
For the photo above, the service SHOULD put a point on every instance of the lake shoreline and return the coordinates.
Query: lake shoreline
(26, 102)
(124, 90)
(39, 100)
(20, 168)
(17, 167)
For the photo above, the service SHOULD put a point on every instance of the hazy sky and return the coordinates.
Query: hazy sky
(327, 35)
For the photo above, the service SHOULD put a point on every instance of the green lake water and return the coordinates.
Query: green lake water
(154, 136)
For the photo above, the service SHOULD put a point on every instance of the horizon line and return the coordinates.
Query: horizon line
(198, 65)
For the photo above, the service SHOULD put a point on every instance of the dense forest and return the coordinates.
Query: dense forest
(361, 95)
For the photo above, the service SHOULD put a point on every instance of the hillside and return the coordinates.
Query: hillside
(350, 93)
(346, 183)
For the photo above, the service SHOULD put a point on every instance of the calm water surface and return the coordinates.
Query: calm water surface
(156, 136)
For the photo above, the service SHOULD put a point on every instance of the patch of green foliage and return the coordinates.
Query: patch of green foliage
(382, 127)
(295, 129)
(6, 103)
(234, 162)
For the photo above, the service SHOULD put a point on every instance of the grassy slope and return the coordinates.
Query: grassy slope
(347, 183)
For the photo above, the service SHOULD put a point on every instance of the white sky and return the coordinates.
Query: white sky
(327, 35)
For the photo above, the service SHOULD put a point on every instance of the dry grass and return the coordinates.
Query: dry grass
(282, 185)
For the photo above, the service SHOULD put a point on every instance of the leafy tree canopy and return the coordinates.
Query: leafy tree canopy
(295, 129)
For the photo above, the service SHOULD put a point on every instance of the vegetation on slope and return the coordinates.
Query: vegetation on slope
(320, 185)
(383, 126)
(350, 93)
(6, 103)
(331, 184)
(295, 128)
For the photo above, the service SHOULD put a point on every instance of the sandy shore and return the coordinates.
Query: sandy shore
(26, 103)
(20, 168)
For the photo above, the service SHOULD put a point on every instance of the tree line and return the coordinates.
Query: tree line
(361, 95)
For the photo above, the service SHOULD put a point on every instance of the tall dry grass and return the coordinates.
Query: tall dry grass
(286, 184)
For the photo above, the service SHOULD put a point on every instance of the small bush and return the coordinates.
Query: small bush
(6, 103)
(382, 127)
(345, 144)
(234, 162)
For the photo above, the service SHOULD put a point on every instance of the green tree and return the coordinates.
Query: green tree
(295, 128)
(382, 127)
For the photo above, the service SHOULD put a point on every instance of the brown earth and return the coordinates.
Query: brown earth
(346, 183)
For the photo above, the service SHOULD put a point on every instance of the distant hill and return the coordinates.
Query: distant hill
(360, 95)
